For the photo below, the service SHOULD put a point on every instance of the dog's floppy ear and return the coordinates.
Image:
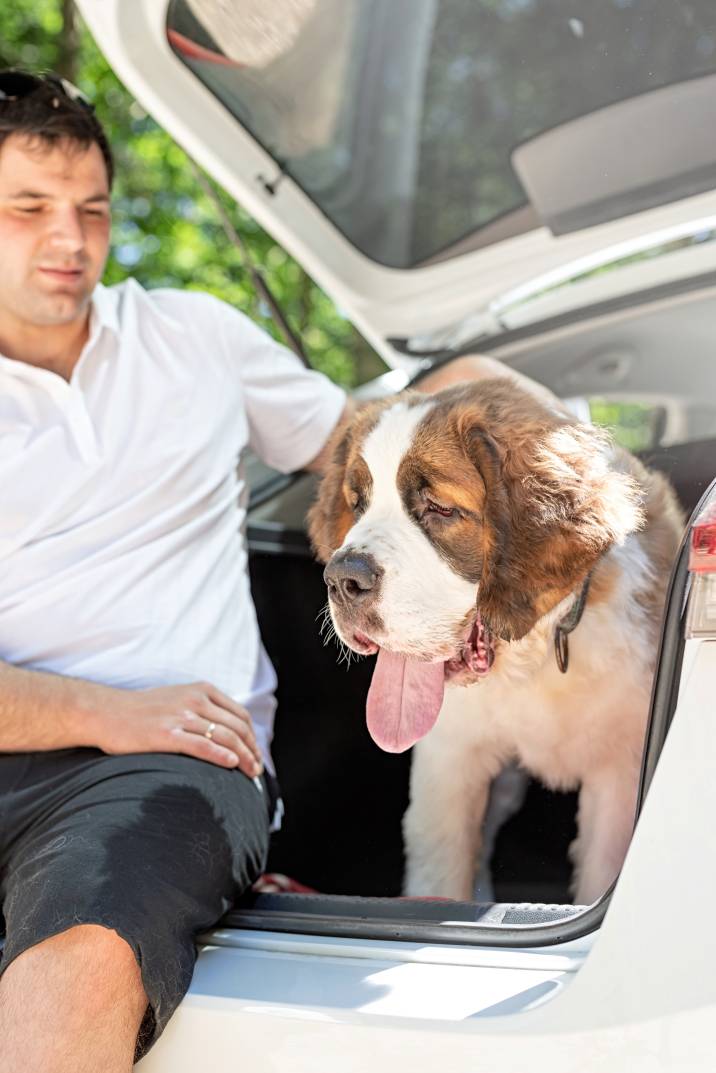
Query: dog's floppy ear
(501, 606)
(330, 517)
(555, 503)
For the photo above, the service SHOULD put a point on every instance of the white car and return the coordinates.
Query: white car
(536, 180)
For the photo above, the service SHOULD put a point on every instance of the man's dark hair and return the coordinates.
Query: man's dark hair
(46, 114)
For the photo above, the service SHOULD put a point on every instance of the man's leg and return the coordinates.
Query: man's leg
(72, 1004)
(152, 848)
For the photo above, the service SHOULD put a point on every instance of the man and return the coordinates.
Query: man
(136, 700)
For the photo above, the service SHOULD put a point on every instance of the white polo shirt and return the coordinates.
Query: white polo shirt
(122, 551)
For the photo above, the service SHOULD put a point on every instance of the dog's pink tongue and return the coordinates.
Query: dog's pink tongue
(403, 701)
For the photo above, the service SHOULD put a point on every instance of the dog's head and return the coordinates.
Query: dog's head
(453, 520)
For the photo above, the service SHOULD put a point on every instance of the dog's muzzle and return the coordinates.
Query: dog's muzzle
(352, 578)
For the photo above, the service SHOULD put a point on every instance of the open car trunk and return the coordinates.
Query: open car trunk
(429, 162)
(421, 158)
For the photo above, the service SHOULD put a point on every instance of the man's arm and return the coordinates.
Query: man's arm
(320, 463)
(477, 367)
(469, 367)
(40, 711)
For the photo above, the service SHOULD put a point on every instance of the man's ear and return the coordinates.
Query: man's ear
(555, 503)
(330, 517)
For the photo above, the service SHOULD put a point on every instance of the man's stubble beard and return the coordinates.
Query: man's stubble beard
(53, 310)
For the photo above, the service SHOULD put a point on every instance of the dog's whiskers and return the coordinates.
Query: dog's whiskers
(346, 655)
(328, 632)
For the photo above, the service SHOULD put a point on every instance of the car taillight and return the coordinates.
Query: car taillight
(701, 618)
(703, 541)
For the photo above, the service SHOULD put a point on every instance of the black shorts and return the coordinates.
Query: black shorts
(156, 846)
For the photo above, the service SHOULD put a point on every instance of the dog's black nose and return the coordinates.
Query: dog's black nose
(351, 576)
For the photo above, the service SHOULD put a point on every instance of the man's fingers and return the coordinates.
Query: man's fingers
(186, 713)
(210, 749)
(223, 700)
(230, 713)
(241, 729)
(237, 739)
(226, 731)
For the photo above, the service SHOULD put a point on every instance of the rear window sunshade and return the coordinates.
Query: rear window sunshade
(400, 120)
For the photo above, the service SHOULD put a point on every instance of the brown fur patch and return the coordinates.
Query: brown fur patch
(333, 513)
(436, 469)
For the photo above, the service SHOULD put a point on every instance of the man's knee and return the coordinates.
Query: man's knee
(81, 991)
(88, 958)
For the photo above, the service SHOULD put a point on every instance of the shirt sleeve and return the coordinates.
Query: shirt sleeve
(291, 410)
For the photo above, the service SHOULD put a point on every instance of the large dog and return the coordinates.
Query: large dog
(483, 538)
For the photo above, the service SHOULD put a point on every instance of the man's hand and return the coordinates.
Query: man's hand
(197, 720)
(41, 711)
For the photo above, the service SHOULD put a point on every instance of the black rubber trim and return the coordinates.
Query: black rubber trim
(278, 540)
(406, 910)
(272, 538)
(487, 343)
(357, 927)
(272, 487)
(408, 919)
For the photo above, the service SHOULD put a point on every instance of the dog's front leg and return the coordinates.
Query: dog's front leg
(442, 828)
(607, 805)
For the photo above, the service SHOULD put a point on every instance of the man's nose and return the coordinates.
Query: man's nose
(67, 232)
(352, 577)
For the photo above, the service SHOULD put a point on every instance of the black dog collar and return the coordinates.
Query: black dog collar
(569, 622)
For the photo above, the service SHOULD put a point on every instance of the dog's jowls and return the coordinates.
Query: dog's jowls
(459, 530)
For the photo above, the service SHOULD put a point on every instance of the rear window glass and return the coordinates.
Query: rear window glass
(398, 119)
(637, 426)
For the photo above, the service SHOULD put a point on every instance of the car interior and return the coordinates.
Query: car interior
(344, 798)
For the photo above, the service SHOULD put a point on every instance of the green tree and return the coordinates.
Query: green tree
(166, 230)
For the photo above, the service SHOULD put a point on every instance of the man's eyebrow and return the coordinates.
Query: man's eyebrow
(39, 196)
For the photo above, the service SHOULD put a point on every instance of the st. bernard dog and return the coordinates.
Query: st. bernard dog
(483, 538)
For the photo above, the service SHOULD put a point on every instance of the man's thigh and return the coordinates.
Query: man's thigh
(156, 846)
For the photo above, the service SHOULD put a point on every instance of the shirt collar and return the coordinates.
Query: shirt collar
(103, 314)
(104, 309)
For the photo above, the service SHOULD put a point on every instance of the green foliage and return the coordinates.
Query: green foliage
(634, 425)
(166, 230)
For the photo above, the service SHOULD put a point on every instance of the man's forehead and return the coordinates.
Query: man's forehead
(66, 167)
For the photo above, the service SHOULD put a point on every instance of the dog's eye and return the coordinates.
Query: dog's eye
(355, 502)
(439, 508)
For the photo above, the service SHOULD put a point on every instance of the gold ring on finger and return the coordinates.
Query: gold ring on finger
(209, 732)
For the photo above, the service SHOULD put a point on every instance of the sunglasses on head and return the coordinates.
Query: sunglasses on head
(14, 85)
